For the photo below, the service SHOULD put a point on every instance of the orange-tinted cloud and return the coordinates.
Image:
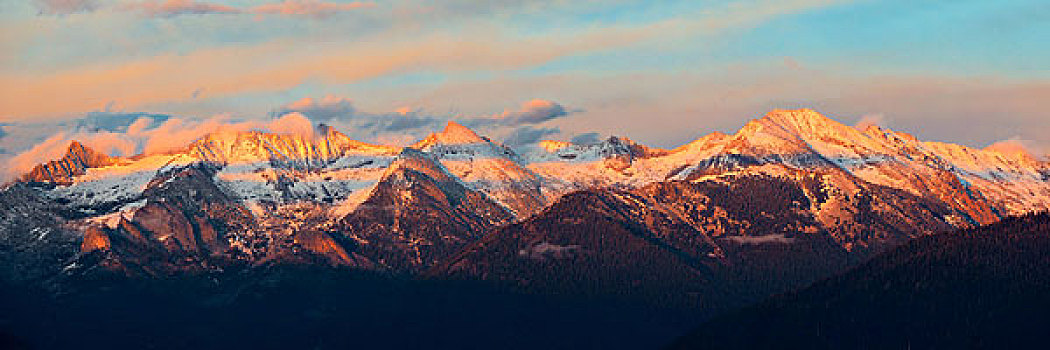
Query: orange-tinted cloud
(311, 8)
(1018, 146)
(286, 63)
(870, 119)
(169, 8)
(65, 7)
(304, 8)
(327, 108)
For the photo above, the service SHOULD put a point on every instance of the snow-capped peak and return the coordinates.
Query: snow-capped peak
(255, 146)
(612, 146)
(454, 134)
(800, 124)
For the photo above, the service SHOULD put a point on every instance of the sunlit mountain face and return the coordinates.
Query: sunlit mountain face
(543, 174)
(616, 227)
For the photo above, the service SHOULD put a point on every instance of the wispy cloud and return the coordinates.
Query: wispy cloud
(532, 112)
(515, 126)
(527, 135)
(587, 138)
(1020, 146)
(340, 112)
(310, 8)
(170, 8)
(282, 64)
(65, 7)
(327, 108)
(131, 133)
(869, 120)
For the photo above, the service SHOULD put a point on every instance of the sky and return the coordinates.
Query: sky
(118, 72)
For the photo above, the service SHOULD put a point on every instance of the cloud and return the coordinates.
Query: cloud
(146, 136)
(292, 123)
(310, 8)
(589, 138)
(868, 120)
(528, 135)
(792, 63)
(54, 147)
(400, 126)
(288, 61)
(1016, 145)
(403, 122)
(406, 124)
(171, 8)
(532, 112)
(65, 7)
(323, 109)
(116, 121)
(301, 8)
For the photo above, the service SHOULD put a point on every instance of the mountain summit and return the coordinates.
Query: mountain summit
(77, 159)
(453, 134)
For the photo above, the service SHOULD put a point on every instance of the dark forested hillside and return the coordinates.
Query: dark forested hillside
(987, 287)
(710, 245)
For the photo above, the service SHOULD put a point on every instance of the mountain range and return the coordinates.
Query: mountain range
(254, 198)
(719, 223)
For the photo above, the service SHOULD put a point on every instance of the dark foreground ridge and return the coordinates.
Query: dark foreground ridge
(987, 287)
(322, 308)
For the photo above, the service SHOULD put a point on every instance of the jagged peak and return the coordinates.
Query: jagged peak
(78, 151)
(453, 134)
(75, 161)
(74, 144)
(456, 133)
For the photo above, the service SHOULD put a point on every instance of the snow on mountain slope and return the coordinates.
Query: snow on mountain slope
(418, 214)
(285, 150)
(327, 168)
(488, 167)
(985, 185)
(320, 195)
(334, 174)
(610, 163)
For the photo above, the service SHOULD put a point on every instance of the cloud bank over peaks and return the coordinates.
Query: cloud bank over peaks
(133, 133)
(319, 109)
(406, 125)
(145, 136)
